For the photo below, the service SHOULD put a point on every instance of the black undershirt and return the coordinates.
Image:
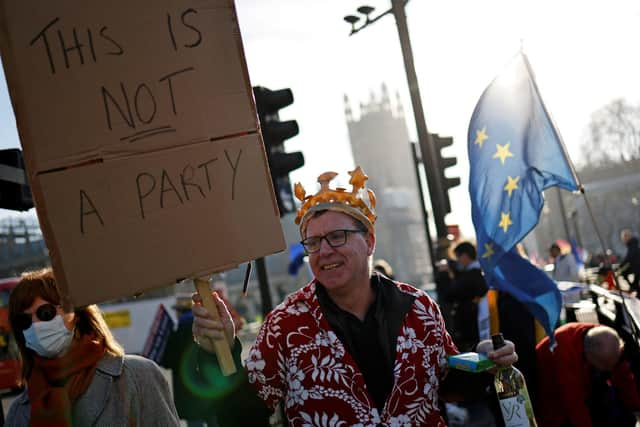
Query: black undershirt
(367, 341)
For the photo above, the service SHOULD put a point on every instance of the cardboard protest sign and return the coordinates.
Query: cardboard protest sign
(141, 140)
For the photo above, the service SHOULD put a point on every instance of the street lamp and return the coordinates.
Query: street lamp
(366, 11)
(429, 154)
(352, 19)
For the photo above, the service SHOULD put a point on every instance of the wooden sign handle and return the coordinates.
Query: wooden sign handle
(221, 346)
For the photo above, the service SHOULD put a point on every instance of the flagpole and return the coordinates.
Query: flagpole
(580, 186)
(554, 128)
(425, 214)
(593, 221)
(556, 132)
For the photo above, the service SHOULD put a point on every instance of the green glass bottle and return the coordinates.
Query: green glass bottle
(513, 396)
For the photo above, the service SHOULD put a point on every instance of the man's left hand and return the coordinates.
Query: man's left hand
(504, 356)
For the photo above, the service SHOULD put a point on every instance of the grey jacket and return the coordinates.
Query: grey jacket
(125, 391)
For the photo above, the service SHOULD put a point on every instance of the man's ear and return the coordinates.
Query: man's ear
(371, 243)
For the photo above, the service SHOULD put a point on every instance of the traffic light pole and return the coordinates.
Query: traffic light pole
(426, 144)
(425, 214)
(263, 284)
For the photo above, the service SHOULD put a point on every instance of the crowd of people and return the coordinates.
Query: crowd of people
(588, 380)
(352, 347)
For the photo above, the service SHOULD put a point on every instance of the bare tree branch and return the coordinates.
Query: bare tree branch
(613, 133)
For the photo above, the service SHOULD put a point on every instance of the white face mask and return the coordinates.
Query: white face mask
(49, 339)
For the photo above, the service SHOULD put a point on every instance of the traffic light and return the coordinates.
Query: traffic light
(274, 133)
(15, 193)
(443, 163)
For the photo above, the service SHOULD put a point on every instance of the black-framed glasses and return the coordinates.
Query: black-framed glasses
(44, 313)
(335, 239)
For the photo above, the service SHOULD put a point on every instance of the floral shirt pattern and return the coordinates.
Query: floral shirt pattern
(298, 359)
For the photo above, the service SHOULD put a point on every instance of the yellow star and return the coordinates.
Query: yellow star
(512, 184)
(488, 253)
(505, 221)
(502, 152)
(481, 135)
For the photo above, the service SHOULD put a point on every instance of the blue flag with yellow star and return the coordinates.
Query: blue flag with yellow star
(515, 153)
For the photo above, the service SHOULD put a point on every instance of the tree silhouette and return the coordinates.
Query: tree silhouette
(613, 134)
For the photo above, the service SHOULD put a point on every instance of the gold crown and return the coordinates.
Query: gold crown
(360, 203)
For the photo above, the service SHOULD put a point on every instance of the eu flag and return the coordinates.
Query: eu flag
(515, 153)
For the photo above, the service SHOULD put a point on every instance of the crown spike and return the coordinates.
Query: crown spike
(299, 192)
(358, 179)
(372, 197)
(325, 178)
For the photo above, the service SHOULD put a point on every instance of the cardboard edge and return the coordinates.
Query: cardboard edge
(159, 150)
(14, 89)
(247, 79)
(214, 271)
(52, 246)
(267, 171)
(245, 68)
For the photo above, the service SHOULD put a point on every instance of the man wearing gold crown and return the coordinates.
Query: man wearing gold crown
(352, 347)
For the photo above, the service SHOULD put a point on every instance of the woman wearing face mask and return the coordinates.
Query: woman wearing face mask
(74, 370)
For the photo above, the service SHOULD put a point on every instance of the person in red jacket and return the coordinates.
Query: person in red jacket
(352, 347)
(585, 381)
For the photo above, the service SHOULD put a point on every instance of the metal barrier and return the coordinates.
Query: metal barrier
(620, 312)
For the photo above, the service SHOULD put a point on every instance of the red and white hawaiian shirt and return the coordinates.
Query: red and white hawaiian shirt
(298, 358)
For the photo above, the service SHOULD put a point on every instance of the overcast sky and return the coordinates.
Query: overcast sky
(584, 54)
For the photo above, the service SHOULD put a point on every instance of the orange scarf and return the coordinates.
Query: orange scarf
(55, 384)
